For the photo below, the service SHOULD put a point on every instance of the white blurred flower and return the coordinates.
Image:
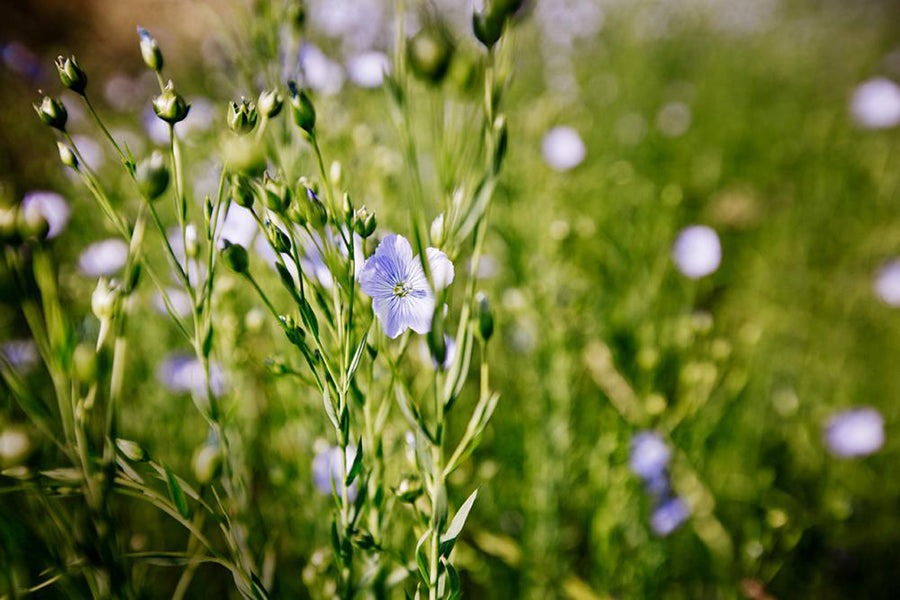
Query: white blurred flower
(52, 206)
(887, 283)
(367, 70)
(320, 72)
(876, 103)
(91, 151)
(104, 258)
(238, 227)
(563, 149)
(181, 302)
(697, 251)
(855, 432)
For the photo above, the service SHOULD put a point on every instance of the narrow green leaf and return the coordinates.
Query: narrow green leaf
(456, 525)
(358, 354)
(422, 559)
(357, 464)
(177, 494)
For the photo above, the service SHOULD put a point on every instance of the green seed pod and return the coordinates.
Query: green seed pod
(280, 240)
(365, 223)
(430, 52)
(241, 191)
(302, 108)
(316, 213)
(66, 155)
(170, 106)
(207, 463)
(84, 359)
(152, 175)
(488, 27)
(236, 257)
(150, 51)
(242, 117)
(277, 194)
(270, 103)
(485, 316)
(71, 75)
(52, 112)
(132, 450)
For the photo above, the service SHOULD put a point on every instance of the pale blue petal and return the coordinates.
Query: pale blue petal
(387, 267)
(441, 268)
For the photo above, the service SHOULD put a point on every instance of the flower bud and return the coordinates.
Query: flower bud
(241, 192)
(71, 75)
(316, 213)
(152, 175)
(66, 155)
(103, 299)
(302, 108)
(409, 489)
(293, 331)
(270, 103)
(242, 117)
(429, 53)
(437, 231)
(132, 450)
(191, 243)
(280, 240)
(207, 463)
(277, 194)
(437, 343)
(31, 223)
(236, 257)
(485, 316)
(488, 26)
(170, 106)
(150, 51)
(365, 223)
(336, 172)
(347, 206)
(501, 137)
(52, 112)
(84, 359)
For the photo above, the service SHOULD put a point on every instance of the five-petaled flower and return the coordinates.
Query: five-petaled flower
(401, 295)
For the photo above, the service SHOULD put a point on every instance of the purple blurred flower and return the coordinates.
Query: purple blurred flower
(855, 432)
(697, 251)
(327, 468)
(669, 516)
(183, 373)
(887, 283)
(104, 258)
(400, 293)
(876, 103)
(563, 149)
(649, 455)
(21, 354)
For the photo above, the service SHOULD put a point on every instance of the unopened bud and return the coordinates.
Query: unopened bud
(409, 489)
(150, 51)
(365, 223)
(152, 175)
(236, 257)
(241, 192)
(207, 463)
(270, 103)
(280, 240)
(9, 232)
(132, 450)
(488, 26)
(52, 112)
(437, 231)
(71, 74)
(302, 108)
(430, 52)
(66, 155)
(485, 316)
(103, 299)
(191, 243)
(437, 343)
(277, 194)
(170, 106)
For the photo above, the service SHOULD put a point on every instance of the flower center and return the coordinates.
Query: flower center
(402, 289)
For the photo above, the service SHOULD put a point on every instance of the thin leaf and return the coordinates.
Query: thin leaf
(456, 525)
(177, 494)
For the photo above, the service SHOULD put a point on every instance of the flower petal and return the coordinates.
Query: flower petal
(387, 267)
(441, 268)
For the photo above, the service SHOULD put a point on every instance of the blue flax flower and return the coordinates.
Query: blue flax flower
(400, 293)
